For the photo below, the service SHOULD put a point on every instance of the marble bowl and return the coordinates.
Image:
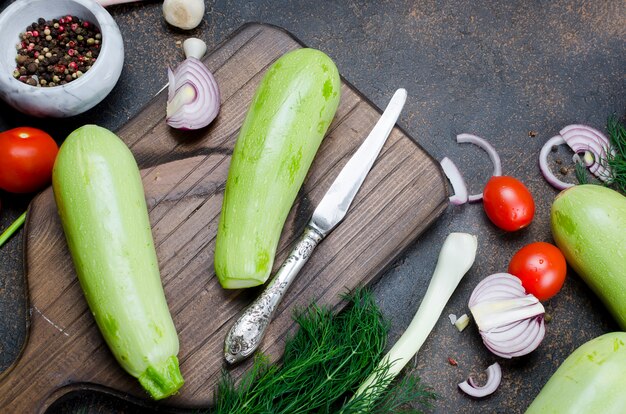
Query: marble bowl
(76, 96)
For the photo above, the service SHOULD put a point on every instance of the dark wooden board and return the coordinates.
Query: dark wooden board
(184, 176)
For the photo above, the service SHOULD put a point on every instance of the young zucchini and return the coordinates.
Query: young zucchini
(590, 381)
(589, 226)
(99, 195)
(289, 115)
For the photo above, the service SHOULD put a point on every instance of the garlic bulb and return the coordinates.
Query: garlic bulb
(184, 14)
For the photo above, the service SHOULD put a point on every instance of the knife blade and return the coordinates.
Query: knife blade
(246, 334)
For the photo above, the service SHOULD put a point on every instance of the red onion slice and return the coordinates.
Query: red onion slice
(536, 340)
(489, 149)
(193, 97)
(506, 334)
(457, 181)
(496, 295)
(545, 168)
(510, 321)
(506, 327)
(504, 280)
(516, 343)
(581, 138)
(494, 377)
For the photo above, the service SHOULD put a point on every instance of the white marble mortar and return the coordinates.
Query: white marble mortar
(74, 97)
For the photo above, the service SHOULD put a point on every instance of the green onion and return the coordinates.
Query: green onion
(455, 259)
(6, 235)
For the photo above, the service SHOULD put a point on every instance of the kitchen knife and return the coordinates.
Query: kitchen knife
(247, 332)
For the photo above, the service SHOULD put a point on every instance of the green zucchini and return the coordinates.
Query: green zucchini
(590, 380)
(589, 226)
(285, 124)
(100, 198)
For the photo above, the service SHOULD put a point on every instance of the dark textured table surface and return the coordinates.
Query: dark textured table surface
(496, 69)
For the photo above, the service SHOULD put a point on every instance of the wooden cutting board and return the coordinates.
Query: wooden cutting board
(184, 175)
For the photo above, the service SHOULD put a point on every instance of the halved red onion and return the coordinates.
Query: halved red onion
(193, 98)
(489, 149)
(457, 181)
(510, 321)
(494, 377)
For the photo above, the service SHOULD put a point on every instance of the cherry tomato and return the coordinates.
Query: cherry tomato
(26, 159)
(541, 267)
(508, 203)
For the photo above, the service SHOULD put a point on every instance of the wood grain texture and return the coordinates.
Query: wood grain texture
(184, 175)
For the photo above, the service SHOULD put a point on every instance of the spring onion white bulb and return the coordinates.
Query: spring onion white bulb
(455, 259)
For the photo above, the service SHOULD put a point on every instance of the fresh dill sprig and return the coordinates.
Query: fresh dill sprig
(395, 398)
(617, 160)
(581, 173)
(323, 364)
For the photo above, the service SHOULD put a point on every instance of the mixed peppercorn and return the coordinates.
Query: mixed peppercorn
(58, 51)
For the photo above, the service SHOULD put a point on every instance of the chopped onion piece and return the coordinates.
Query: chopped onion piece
(456, 179)
(494, 377)
(193, 99)
(545, 168)
(491, 151)
(452, 318)
(510, 321)
(462, 322)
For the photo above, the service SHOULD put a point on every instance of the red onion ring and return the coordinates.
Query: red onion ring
(489, 149)
(494, 377)
(545, 168)
(517, 328)
(581, 138)
(457, 181)
(199, 110)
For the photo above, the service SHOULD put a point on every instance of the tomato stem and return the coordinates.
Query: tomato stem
(6, 235)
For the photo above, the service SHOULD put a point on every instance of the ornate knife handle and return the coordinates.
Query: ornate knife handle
(246, 334)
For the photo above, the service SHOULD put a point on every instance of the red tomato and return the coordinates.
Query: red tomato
(508, 203)
(26, 159)
(541, 267)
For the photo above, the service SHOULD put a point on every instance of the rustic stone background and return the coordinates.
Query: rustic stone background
(496, 69)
